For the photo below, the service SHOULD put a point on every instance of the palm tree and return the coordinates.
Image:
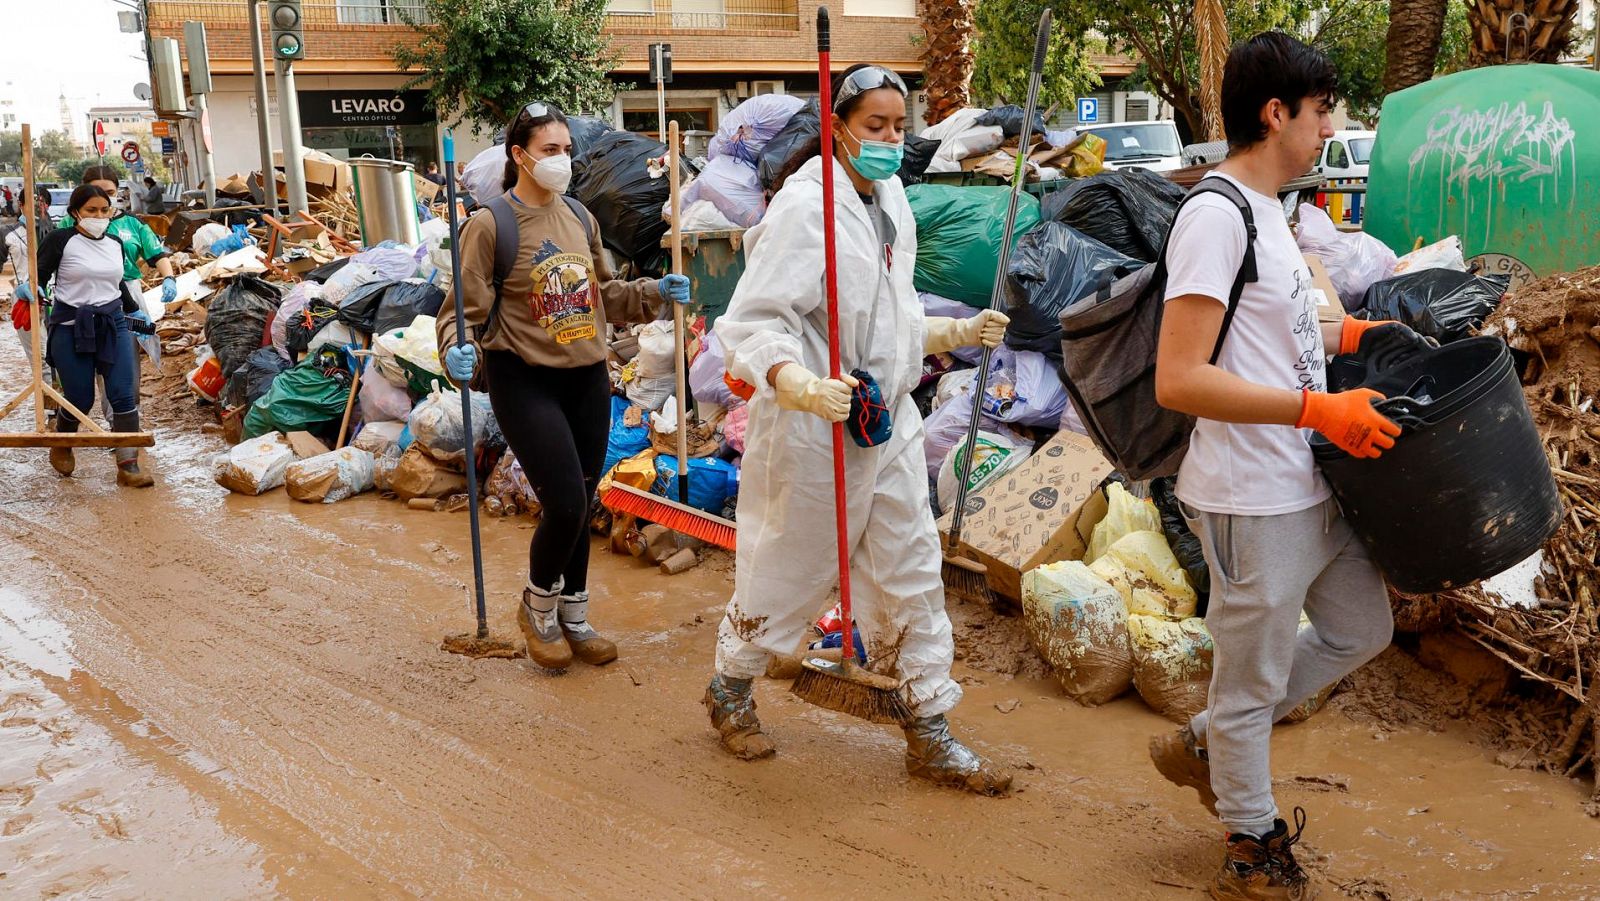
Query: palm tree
(1416, 29)
(948, 27)
(1543, 35)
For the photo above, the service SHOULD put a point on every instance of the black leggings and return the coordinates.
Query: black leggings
(557, 422)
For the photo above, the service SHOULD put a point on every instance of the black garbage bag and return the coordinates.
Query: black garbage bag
(795, 137)
(305, 324)
(236, 320)
(585, 131)
(919, 154)
(252, 380)
(1128, 210)
(322, 273)
(1442, 304)
(359, 308)
(613, 181)
(405, 301)
(1185, 543)
(1009, 118)
(1052, 267)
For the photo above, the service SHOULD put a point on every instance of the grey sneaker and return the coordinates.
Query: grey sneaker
(587, 645)
(547, 646)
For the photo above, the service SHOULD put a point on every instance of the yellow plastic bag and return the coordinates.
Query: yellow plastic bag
(1142, 568)
(1079, 625)
(1125, 514)
(1086, 156)
(638, 471)
(1171, 664)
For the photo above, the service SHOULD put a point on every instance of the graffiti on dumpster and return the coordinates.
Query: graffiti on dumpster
(1475, 151)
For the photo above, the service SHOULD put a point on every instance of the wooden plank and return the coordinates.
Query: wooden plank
(77, 439)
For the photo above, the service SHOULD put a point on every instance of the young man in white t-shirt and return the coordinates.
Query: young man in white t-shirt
(1274, 538)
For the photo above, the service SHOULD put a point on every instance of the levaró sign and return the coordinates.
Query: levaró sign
(364, 109)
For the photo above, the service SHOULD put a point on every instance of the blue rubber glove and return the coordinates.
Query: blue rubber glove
(169, 290)
(674, 288)
(460, 360)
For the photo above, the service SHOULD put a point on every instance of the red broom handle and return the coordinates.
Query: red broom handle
(831, 277)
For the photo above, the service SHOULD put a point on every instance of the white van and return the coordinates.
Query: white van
(1152, 144)
(1347, 154)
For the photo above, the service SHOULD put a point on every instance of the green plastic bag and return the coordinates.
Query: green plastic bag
(300, 399)
(958, 237)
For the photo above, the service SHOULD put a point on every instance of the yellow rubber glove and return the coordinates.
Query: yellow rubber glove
(943, 334)
(798, 388)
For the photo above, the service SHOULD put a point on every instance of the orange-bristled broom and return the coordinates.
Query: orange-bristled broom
(677, 516)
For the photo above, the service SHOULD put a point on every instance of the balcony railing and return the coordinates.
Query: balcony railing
(663, 16)
(317, 13)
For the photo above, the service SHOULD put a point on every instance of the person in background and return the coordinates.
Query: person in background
(9, 199)
(17, 252)
(155, 202)
(541, 338)
(88, 325)
(433, 175)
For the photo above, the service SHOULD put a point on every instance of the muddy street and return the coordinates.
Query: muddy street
(204, 695)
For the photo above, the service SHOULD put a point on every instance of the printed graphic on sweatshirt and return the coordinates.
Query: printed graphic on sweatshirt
(1308, 331)
(563, 295)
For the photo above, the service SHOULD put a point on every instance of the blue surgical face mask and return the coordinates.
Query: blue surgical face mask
(878, 160)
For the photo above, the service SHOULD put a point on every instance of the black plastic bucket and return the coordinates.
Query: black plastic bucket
(1466, 492)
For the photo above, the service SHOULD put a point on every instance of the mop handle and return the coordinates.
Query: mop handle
(996, 292)
(466, 393)
(831, 279)
(679, 328)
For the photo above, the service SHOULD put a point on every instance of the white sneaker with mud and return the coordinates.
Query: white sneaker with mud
(547, 645)
(1179, 757)
(587, 644)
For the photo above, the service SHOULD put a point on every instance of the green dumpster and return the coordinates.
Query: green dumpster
(714, 261)
(1506, 157)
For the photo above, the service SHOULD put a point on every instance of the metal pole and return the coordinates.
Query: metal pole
(269, 183)
(208, 164)
(294, 168)
(661, 93)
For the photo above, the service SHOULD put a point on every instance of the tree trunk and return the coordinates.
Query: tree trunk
(948, 27)
(1544, 36)
(1416, 29)
(1211, 32)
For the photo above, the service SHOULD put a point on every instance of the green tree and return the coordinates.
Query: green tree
(1004, 54)
(71, 171)
(484, 59)
(53, 148)
(10, 151)
(1357, 42)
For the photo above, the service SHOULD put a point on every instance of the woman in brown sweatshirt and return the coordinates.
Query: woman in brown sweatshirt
(541, 336)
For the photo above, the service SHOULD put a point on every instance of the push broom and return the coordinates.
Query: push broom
(845, 686)
(965, 578)
(677, 516)
(479, 643)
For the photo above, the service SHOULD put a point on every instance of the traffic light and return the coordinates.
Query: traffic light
(288, 38)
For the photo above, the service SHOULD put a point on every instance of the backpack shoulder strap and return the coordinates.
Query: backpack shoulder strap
(1247, 266)
(582, 212)
(505, 254)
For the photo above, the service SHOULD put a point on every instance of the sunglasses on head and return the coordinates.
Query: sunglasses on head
(537, 110)
(869, 79)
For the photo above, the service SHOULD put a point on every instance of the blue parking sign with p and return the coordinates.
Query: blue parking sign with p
(1088, 109)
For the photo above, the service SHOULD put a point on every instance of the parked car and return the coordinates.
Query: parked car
(59, 198)
(1347, 154)
(1152, 145)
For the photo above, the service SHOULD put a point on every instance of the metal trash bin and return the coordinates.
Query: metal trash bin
(714, 262)
(386, 200)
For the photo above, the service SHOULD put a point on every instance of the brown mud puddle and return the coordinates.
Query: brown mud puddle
(216, 696)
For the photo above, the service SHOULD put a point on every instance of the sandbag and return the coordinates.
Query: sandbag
(1171, 664)
(1128, 210)
(331, 477)
(403, 302)
(1010, 119)
(255, 466)
(614, 182)
(419, 475)
(1354, 260)
(711, 482)
(585, 130)
(381, 399)
(802, 128)
(1125, 514)
(380, 438)
(733, 187)
(745, 131)
(993, 455)
(436, 426)
(650, 393)
(918, 154)
(959, 231)
(301, 399)
(1051, 268)
(236, 320)
(1079, 625)
(1184, 542)
(1141, 566)
(657, 350)
(1442, 304)
(624, 441)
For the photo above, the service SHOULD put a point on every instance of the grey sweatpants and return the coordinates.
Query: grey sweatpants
(1264, 570)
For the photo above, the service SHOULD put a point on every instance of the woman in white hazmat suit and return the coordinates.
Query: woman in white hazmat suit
(776, 336)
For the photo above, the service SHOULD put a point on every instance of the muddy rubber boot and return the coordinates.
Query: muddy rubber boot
(932, 753)
(1179, 757)
(62, 461)
(1264, 869)
(586, 643)
(546, 645)
(732, 705)
(129, 475)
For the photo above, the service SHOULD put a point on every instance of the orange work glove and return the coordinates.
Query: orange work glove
(1350, 338)
(1349, 420)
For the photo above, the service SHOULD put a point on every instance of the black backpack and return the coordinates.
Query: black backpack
(1108, 341)
(507, 241)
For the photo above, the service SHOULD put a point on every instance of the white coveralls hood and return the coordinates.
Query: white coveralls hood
(786, 554)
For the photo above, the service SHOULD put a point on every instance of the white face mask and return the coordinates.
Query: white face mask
(94, 228)
(553, 173)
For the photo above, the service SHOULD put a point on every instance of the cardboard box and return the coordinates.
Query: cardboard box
(1041, 513)
(324, 174)
(1329, 307)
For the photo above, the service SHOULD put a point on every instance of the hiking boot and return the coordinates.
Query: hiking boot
(732, 705)
(1179, 757)
(586, 643)
(1264, 869)
(932, 753)
(61, 460)
(546, 645)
